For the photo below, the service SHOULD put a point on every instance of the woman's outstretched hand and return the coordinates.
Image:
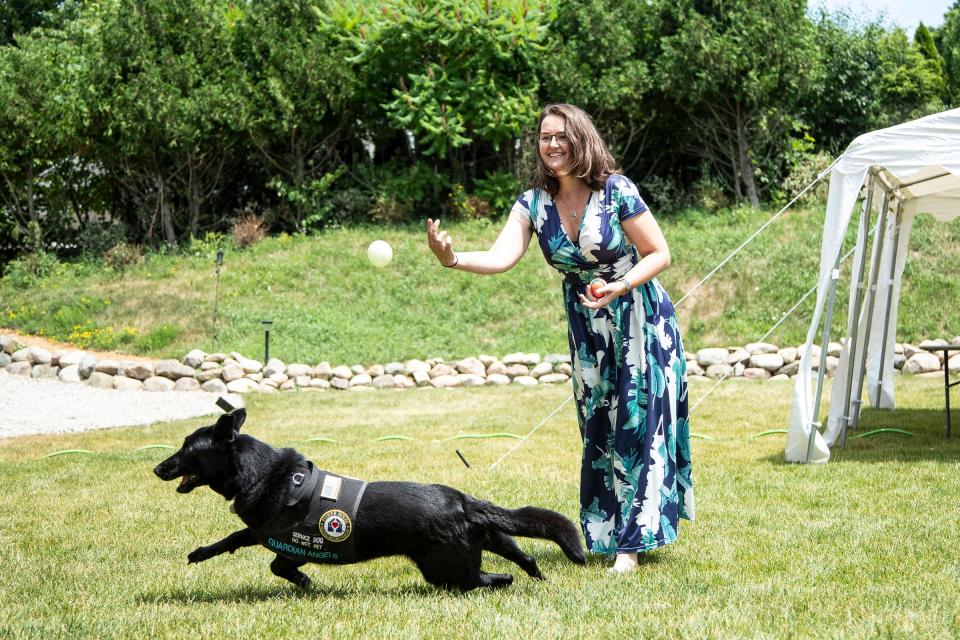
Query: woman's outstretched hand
(440, 243)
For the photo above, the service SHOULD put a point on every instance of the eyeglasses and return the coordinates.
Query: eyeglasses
(561, 138)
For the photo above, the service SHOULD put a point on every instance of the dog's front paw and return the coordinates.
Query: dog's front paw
(199, 555)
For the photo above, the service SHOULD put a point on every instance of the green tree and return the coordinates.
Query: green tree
(449, 82)
(910, 85)
(738, 69)
(167, 105)
(843, 100)
(20, 17)
(600, 55)
(301, 93)
(41, 114)
(948, 44)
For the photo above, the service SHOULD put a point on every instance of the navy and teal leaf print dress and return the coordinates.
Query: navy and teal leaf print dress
(629, 378)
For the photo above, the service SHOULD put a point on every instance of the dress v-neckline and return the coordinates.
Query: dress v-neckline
(583, 214)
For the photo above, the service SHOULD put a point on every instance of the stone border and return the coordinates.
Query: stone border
(235, 373)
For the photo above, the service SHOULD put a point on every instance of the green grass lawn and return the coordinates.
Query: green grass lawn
(328, 303)
(95, 546)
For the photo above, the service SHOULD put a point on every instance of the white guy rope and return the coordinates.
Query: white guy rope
(756, 233)
(771, 330)
(524, 438)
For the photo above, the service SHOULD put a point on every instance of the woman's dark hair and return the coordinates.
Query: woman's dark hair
(589, 159)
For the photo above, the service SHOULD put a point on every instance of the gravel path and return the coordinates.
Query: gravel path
(30, 406)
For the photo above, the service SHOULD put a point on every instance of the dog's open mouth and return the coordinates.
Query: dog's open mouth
(188, 483)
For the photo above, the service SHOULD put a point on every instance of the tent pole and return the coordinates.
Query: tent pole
(827, 325)
(871, 301)
(853, 319)
(886, 318)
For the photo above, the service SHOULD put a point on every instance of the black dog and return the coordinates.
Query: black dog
(304, 514)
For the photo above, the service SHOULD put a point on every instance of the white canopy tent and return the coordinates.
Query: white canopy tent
(898, 172)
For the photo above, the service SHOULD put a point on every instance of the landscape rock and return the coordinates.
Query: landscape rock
(755, 348)
(214, 385)
(323, 370)
(771, 361)
(472, 366)
(159, 383)
(471, 380)
(393, 368)
(445, 381)
(498, 379)
(194, 359)
(39, 355)
(712, 356)
(361, 379)
(107, 366)
(542, 369)
(553, 378)
(296, 370)
(124, 383)
(70, 373)
(139, 370)
(242, 385)
(342, 371)
(921, 362)
(173, 370)
(525, 381)
(232, 372)
(186, 384)
(100, 380)
(273, 366)
(384, 381)
(9, 344)
(43, 371)
(87, 366)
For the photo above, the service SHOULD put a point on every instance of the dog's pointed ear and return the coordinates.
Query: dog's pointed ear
(228, 426)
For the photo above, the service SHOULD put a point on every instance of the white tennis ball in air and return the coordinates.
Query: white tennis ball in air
(380, 253)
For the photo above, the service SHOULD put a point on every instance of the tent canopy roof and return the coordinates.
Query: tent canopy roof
(921, 158)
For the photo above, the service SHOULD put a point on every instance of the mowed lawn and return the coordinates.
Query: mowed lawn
(95, 546)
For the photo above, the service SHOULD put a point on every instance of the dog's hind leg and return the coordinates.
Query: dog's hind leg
(290, 570)
(494, 580)
(505, 546)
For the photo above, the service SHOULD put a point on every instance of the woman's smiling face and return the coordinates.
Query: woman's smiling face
(554, 144)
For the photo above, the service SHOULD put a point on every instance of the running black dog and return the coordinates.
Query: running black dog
(305, 515)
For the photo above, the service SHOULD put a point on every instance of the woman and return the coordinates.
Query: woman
(629, 371)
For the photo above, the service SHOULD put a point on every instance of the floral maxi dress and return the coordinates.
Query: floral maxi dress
(629, 378)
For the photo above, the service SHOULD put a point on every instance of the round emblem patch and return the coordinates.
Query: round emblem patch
(335, 525)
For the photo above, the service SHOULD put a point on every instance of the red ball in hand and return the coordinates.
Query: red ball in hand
(595, 285)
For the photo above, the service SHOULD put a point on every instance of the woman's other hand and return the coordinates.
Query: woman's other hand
(440, 243)
(604, 296)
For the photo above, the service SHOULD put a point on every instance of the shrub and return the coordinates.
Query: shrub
(122, 256)
(248, 230)
(500, 190)
(97, 237)
(27, 269)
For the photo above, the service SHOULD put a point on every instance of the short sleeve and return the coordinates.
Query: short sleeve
(625, 193)
(522, 205)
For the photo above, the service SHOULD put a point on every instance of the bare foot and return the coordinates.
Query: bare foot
(625, 563)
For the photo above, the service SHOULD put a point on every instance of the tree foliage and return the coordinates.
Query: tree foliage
(158, 120)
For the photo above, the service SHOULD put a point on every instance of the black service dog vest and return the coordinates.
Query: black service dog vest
(316, 523)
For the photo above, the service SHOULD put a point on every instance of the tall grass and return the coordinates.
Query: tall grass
(95, 546)
(328, 303)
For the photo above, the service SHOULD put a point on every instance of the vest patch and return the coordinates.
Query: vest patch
(335, 525)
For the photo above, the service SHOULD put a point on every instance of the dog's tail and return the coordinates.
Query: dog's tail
(530, 522)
